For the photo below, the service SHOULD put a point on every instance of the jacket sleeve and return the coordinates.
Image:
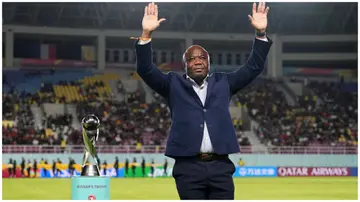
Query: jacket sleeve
(252, 68)
(152, 76)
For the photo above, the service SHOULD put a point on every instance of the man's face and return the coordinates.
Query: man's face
(197, 62)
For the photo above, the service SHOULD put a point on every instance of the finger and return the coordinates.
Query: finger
(262, 7)
(267, 10)
(254, 8)
(259, 7)
(250, 18)
(156, 10)
(161, 20)
(153, 9)
(146, 10)
(149, 9)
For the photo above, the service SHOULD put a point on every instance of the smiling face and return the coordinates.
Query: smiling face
(196, 60)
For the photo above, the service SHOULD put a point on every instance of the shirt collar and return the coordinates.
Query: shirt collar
(194, 83)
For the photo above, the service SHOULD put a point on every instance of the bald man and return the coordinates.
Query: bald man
(202, 134)
(196, 60)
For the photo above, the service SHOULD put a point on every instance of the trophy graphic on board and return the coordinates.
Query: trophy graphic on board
(90, 185)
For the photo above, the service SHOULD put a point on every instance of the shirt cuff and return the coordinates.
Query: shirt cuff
(141, 42)
(263, 39)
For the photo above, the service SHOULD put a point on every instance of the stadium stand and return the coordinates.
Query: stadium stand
(132, 121)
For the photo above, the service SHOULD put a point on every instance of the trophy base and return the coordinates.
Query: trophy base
(90, 188)
(90, 170)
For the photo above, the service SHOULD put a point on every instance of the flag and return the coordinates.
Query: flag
(48, 51)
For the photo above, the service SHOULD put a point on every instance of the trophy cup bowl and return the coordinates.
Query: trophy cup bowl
(90, 185)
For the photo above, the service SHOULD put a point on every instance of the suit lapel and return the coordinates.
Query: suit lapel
(190, 89)
(211, 82)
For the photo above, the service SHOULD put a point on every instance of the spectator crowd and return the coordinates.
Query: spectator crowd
(330, 119)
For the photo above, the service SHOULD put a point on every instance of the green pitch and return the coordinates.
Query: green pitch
(323, 188)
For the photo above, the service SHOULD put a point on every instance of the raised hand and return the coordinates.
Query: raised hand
(259, 17)
(150, 20)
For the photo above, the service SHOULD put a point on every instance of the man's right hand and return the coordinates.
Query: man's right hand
(150, 20)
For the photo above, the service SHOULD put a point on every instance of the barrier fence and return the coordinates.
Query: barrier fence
(340, 150)
(160, 171)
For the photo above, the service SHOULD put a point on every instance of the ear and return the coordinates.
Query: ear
(185, 66)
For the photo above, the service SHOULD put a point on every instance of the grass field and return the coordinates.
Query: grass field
(164, 188)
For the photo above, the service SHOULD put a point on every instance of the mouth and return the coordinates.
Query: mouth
(199, 69)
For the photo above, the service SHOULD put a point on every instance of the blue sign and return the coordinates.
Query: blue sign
(90, 188)
(255, 171)
(354, 171)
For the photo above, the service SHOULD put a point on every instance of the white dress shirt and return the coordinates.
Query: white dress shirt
(201, 91)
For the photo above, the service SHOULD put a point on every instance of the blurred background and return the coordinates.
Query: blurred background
(62, 61)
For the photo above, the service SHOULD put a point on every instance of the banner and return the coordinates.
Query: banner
(62, 171)
(55, 63)
(347, 73)
(248, 171)
(312, 171)
(110, 172)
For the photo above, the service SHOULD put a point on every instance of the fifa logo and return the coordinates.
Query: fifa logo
(91, 197)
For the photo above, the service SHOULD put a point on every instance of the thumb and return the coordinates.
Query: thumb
(250, 18)
(161, 20)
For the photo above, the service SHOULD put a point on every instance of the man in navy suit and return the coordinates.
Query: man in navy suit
(202, 134)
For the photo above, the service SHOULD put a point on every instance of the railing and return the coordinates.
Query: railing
(11, 149)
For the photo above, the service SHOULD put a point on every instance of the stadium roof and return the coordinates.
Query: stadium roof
(284, 18)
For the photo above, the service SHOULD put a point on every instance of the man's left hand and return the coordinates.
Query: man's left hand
(259, 17)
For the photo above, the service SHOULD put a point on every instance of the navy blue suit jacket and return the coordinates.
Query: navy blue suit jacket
(188, 113)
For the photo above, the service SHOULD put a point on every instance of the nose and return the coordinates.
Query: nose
(198, 60)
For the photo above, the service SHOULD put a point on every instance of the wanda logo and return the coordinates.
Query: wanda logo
(91, 197)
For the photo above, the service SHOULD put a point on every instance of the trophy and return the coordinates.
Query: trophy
(90, 185)
(90, 133)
